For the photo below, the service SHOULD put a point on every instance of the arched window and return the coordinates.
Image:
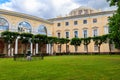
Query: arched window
(42, 30)
(4, 25)
(24, 27)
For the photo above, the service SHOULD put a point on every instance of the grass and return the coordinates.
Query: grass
(102, 67)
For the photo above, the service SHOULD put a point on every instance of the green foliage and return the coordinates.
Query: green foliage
(86, 41)
(63, 40)
(42, 39)
(114, 23)
(98, 40)
(75, 41)
(26, 37)
(9, 37)
(52, 40)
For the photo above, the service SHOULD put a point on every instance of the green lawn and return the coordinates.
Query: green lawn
(100, 67)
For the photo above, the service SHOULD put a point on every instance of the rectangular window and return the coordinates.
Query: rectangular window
(94, 20)
(67, 48)
(95, 48)
(58, 34)
(84, 21)
(66, 23)
(95, 32)
(85, 33)
(75, 22)
(106, 29)
(67, 34)
(76, 34)
(59, 48)
(58, 24)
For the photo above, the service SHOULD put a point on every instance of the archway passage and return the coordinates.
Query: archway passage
(24, 27)
(4, 25)
(1, 47)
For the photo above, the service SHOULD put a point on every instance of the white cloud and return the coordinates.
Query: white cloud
(51, 8)
(41, 8)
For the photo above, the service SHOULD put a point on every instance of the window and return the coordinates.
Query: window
(106, 29)
(67, 34)
(4, 25)
(80, 12)
(59, 48)
(85, 33)
(84, 21)
(58, 24)
(75, 22)
(67, 23)
(76, 34)
(95, 32)
(67, 48)
(24, 27)
(85, 11)
(95, 47)
(94, 20)
(58, 34)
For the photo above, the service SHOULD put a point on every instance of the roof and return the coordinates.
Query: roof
(22, 15)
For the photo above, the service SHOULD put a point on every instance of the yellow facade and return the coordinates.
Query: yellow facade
(58, 25)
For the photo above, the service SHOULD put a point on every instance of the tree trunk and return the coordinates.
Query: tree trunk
(99, 49)
(87, 48)
(66, 47)
(60, 48)
(109, 48)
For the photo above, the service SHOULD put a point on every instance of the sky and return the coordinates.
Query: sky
(51, 8)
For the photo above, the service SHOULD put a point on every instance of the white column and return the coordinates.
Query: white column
(37, 48)
(47, 50)
(31, 47)
(8, 49)
(33, 51)
(16, 46)
(12, 52)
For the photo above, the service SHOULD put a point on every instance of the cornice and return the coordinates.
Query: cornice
(22, 15)
(82, 16)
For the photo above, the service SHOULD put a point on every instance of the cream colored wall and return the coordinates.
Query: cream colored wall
(102, 21)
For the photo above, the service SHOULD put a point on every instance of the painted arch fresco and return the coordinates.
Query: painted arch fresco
(4, 25)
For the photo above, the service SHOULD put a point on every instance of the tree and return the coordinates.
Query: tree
(86, 42)
(114, 23)
(110, 41)
(52, 41)
(66, 42)
(61, 41)
(76, 42)
(25, 39)
(98, 40)
(9, 39)
(42, 40)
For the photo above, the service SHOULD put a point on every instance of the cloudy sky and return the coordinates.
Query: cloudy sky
(51, 8)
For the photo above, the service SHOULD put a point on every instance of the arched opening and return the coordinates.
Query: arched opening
(24, 27)
(42, 30)
(4, 25)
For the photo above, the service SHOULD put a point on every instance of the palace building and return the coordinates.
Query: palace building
(81, 22)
